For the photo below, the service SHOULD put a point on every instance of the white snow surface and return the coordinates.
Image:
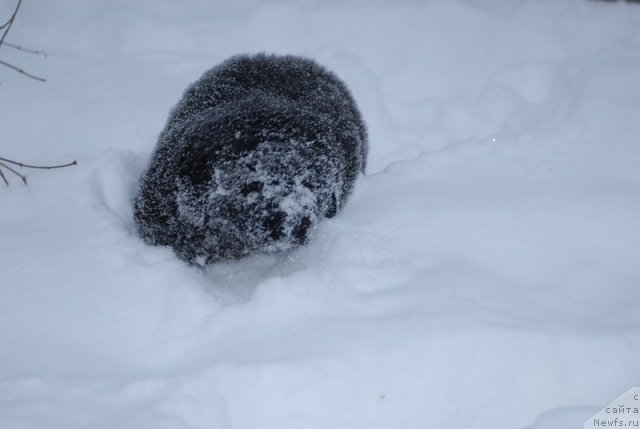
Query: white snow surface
(484, 274)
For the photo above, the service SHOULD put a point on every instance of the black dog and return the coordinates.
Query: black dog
(253, 156)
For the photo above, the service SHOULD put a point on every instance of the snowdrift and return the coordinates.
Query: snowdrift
(483, 275)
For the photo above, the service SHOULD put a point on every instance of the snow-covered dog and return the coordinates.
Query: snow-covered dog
(254, 155)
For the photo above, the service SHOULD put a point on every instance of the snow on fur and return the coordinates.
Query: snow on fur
(254, 155)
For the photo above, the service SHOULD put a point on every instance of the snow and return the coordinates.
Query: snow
(484, 273)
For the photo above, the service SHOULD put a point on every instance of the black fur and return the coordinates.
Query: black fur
(254, 155)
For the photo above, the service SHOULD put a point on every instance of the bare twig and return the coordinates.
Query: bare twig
(21, 71)
(6, 182)
(43, 167)
(7, 25)
(23, 49)
(4, 163)
(24, 178)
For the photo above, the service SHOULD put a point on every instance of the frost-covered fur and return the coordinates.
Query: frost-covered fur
(254, 155)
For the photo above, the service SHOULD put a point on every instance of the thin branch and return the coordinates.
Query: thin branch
(21, 71)
(23, 49)
(24, 178)
(42, 167)
(4, 163)
(6, 27)
(6, 182)
(8, 24)
(5, 24)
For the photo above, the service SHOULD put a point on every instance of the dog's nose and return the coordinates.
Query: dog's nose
(301, 230)
(274, 223)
